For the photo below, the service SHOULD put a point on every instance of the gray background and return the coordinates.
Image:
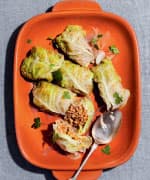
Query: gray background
(12, 15)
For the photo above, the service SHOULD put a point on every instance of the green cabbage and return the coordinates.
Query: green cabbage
(74, 44)
(40, 64)
(109, 84)
(68, 139)
(74, 77)
(52, 98)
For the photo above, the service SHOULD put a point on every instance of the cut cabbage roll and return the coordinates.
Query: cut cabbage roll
(40, 64)
(66, 137)
(109, 84)
(52, 98)
(74, 77)
(80, 114)
(74, 44)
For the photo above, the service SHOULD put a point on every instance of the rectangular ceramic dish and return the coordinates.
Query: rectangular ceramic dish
(30, 141)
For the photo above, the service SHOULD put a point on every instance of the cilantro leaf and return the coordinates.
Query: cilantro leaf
(51, 66)
(95, 40)
(114, 49)
(66, 95)
(29, 41)
(57, 75)
(37, 123)
(118, 99)
(106, 150)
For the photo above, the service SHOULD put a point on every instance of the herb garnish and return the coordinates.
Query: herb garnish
(95, 40)
(51, 66)
(106, 150)
(37, 123)
(114, 49)
(66, 95)
(57, 75)
(118, 99)
(29, 41)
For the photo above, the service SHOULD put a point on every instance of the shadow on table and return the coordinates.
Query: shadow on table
(9, 113)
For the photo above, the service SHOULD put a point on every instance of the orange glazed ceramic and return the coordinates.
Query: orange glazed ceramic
(34, 143)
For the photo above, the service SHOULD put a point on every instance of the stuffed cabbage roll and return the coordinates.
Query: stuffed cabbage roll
(50, 97)
(109, 84)
(80, 114)
(74, 77)
(66, 137)
(41, 63)
(74, 44)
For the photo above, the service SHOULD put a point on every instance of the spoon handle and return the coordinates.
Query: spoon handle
(93, 147)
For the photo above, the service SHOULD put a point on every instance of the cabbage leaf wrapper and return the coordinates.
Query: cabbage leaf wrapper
(109, 85)
(68, 139)
(52, 98)
(74, 77)
(40, 64)
(73, 43)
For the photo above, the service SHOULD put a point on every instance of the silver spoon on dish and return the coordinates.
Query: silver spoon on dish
(103, 131)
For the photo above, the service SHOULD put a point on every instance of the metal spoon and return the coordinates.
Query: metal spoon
(103, 131)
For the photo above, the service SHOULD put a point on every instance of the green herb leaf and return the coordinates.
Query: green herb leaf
(51, 66)
(37, 123)
(57, 75)
(95, 40)
(29, 41)
(118, 99)
(106, 150)
(114, 49)
(66, 95)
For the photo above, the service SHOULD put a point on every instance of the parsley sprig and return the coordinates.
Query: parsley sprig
(37, 123)
(118, 98)
(106, 150)
(51, 66)
(95, 40)
(57, 75)
(66, 95)
(114, 49)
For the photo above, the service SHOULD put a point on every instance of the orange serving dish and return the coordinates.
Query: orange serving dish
(34, 144)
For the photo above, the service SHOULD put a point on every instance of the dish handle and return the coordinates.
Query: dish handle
(76, 5)
(88, 175)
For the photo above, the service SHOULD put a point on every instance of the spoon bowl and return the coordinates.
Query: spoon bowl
(106, 127)
(103, 131)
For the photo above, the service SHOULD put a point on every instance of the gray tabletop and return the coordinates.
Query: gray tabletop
(12, 15)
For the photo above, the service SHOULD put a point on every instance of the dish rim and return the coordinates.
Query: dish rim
(127, 155)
